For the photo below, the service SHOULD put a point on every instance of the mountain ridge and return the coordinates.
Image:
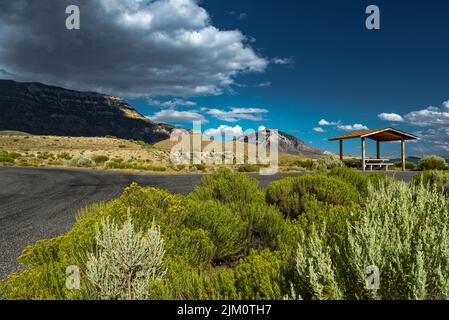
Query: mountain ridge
(41, 109)
(287, 144)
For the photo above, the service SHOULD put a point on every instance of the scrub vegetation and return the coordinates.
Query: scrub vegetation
(309, 237)
(112, 153)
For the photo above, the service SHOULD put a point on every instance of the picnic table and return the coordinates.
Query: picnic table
(380, 163)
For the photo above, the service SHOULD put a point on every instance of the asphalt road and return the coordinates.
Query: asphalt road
(40, 203)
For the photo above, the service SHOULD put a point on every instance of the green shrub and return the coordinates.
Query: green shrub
(46, 156)
(249, 168)
(329, 217)
(433, 178)
(6, 162)
(353, 163)
(100, 159)
(285, 196)
(6, 158)
(260, 276)
(402, 231)
(159, 169)
(228, 187)
(199, 167)
(150, 204)
(120, 164)
(432, 163)
(266, 226)
(289, 194)
(306, 164)
(326, 189)
(327, 164)
(116, 164)
(64, 156)
(14, 155)
(82, 162)
(37, 284)
(178, 167)
(360, 181)
(226, 229)
(409, 165)
(23, 163)
(184, 282)
(195, 246)
(44, 275)
(351, 176)
(155, 168)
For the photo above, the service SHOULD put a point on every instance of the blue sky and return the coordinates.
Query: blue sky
(341, 72)
(286, 65)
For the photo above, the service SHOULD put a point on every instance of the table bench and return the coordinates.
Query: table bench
(381, 163)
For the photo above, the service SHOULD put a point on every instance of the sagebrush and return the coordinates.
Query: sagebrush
(309, 237)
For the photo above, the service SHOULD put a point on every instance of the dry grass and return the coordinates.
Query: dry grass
(87, 146)
(130, 155)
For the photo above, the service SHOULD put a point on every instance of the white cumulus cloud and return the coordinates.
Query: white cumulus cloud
(324, 122)
(229, 131)
(340, 126)
(429, 117)
(352, 127)
(392, 117)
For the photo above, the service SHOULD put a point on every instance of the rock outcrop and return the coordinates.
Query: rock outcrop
(46, 110)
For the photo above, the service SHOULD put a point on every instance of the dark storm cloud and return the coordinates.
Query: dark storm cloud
(132, 48)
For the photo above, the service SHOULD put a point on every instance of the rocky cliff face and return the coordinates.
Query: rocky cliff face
(45, 110)
(291, 145)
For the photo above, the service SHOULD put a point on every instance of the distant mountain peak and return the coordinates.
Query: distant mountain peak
(288, 144)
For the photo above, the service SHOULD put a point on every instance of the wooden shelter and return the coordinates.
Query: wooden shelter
(379, 135)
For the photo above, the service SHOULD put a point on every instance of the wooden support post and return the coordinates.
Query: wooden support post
(403, 154)
(341, 150)
(378, 149)
(363, 155)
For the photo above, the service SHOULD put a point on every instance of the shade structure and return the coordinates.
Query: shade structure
(378, 135)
